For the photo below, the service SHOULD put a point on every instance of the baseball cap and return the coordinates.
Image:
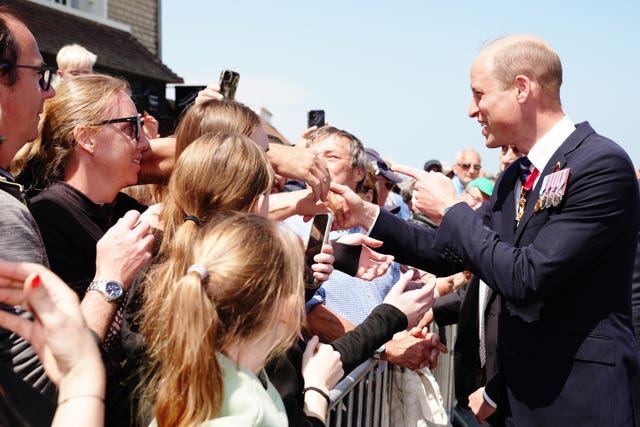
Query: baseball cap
(434, 165)
(483, 185)
(381, 167)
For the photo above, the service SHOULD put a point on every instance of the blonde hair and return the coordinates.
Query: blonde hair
(84, 100)
(76, 57)
(216, 173)
(214, 116)
(211, 116)
(253, 267)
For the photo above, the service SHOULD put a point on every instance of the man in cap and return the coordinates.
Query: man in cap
(387, 180)
(433, 165)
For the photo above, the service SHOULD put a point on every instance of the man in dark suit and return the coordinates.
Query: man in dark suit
(475, 309)
(559, 249)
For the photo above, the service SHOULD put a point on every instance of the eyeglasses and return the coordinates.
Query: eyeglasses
(46, 73)
(466, 166)
(134, 125)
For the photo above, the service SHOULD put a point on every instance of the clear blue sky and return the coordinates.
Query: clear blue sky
(396, 74)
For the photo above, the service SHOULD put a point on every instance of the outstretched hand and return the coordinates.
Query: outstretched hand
(58, 333)
(414, 299)
(432, 191)
(349, 209)
(302, 164)
(371, 263)
(416, 349)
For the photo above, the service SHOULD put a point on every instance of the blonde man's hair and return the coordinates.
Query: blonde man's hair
(73, 56)
(84, 100)
(254, 281)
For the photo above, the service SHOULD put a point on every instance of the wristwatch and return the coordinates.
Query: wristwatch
(110, 289)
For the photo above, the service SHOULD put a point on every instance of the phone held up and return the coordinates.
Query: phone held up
(228, 83)
(315, 118)
(319, 235)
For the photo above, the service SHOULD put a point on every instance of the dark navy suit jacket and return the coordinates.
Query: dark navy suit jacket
(567, 355)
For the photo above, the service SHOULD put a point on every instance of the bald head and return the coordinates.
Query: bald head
(523, 54)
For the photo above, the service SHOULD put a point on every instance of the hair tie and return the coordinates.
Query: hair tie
(200, 269)
(194, 219)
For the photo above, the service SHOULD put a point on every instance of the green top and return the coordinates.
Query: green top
(248, 400)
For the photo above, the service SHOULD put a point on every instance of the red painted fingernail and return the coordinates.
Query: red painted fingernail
(35, 282)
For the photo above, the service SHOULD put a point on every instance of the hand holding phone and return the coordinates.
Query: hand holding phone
(229, 83)
(315, 118)
(319, 235)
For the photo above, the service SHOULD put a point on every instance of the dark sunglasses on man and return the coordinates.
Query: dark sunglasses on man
(134, 125)
(466, 166)
(46, 73)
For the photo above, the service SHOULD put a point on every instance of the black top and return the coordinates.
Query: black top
(354, 347)
(71, 225)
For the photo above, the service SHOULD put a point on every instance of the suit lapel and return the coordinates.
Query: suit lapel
(556, 162)
(504, 207)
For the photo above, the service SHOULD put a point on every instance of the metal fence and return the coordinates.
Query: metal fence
(363, 398)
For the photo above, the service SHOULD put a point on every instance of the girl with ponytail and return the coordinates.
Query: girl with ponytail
(237, 305)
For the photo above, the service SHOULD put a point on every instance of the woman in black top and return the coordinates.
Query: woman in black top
(88, 150)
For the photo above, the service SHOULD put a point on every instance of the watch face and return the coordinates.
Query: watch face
(113, 290)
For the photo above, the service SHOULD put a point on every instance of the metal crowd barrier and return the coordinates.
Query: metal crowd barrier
(363, 397)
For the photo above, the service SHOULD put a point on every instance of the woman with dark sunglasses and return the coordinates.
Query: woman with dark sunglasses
(89, 148)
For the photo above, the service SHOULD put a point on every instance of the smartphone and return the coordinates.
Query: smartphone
(319, 235)
(315, 118)
(229, 83)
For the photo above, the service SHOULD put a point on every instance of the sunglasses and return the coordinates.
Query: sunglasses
(134, 125)
(466, 166)
(46, 73)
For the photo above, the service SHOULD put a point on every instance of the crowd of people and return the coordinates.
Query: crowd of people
(158, 280)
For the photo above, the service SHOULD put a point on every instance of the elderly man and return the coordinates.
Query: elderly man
(466, 168)
(557, 243)
(344, 301)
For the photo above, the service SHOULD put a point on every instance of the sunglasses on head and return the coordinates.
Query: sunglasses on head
(46, 73)
(466, 166)
(134, 125)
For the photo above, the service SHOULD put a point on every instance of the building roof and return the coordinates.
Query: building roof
(117, 50)
(271, 130)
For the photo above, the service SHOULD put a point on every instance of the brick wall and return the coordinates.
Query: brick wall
(142, 16)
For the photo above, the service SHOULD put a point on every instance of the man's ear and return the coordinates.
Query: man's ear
(84, 138)
(359, 174)
(523, 86)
